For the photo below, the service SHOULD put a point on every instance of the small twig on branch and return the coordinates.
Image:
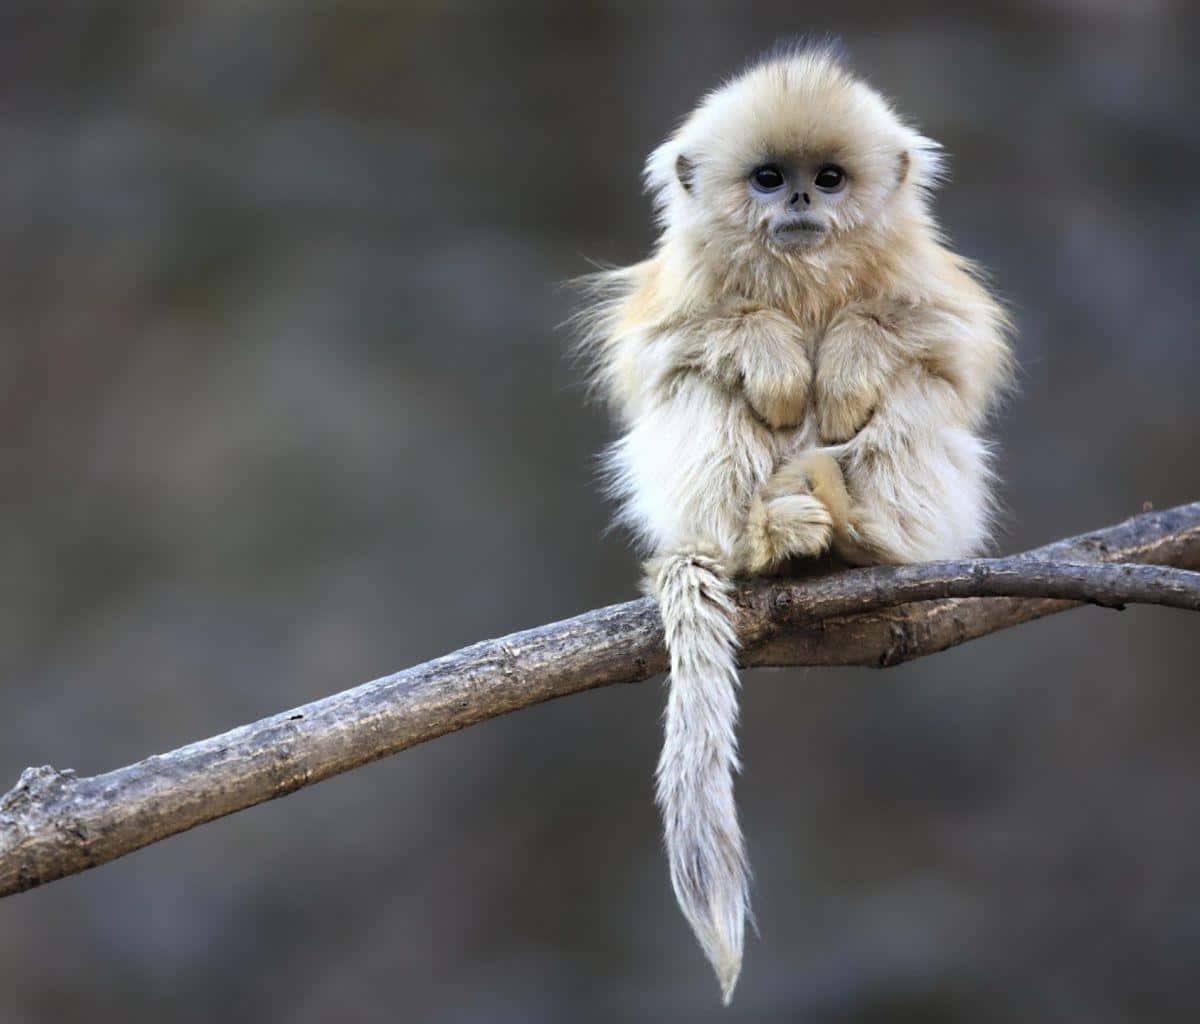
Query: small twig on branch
(53, 823)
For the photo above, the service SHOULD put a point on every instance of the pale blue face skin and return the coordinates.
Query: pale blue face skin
(798, 196)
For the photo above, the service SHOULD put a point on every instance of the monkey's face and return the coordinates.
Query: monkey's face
(805, 187)
(798, 189)
(795, 159)
(795, 200)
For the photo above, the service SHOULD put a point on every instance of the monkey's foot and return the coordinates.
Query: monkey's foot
(795, 524)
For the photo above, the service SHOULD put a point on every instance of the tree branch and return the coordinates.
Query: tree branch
(53, 823)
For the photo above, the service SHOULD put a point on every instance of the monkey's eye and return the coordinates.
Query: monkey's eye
(830, 178)
(768, 177)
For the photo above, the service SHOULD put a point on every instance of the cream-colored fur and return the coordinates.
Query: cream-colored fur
(780, 399)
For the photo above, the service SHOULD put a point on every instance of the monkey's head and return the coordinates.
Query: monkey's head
(794, 157)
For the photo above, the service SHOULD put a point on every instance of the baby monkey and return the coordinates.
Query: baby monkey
(800, 367)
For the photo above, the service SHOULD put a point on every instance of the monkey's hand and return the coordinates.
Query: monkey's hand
(759, 353)
(775, 372)
(855, 359)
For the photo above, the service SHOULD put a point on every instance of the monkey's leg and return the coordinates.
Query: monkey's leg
(917, 477)
(690, 465)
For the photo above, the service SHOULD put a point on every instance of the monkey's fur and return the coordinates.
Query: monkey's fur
(799, 367)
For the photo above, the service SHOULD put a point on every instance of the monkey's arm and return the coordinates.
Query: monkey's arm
(863, 350)
(759, 352)
(689, 464)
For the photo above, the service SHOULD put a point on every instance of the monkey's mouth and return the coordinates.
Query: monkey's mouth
(799, 231)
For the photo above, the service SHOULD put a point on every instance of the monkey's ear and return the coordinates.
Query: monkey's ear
(903, 165)
(685, 171)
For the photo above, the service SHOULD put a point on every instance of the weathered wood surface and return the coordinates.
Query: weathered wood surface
(53, 823)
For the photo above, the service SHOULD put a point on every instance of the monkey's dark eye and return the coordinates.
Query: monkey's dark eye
(768, 177)
(830, 178)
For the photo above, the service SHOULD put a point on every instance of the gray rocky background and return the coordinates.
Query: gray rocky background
(283, 407)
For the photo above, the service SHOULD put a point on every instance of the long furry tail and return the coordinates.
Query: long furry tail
(699, 757)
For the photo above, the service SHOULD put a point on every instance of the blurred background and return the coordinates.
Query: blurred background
(285, 408)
